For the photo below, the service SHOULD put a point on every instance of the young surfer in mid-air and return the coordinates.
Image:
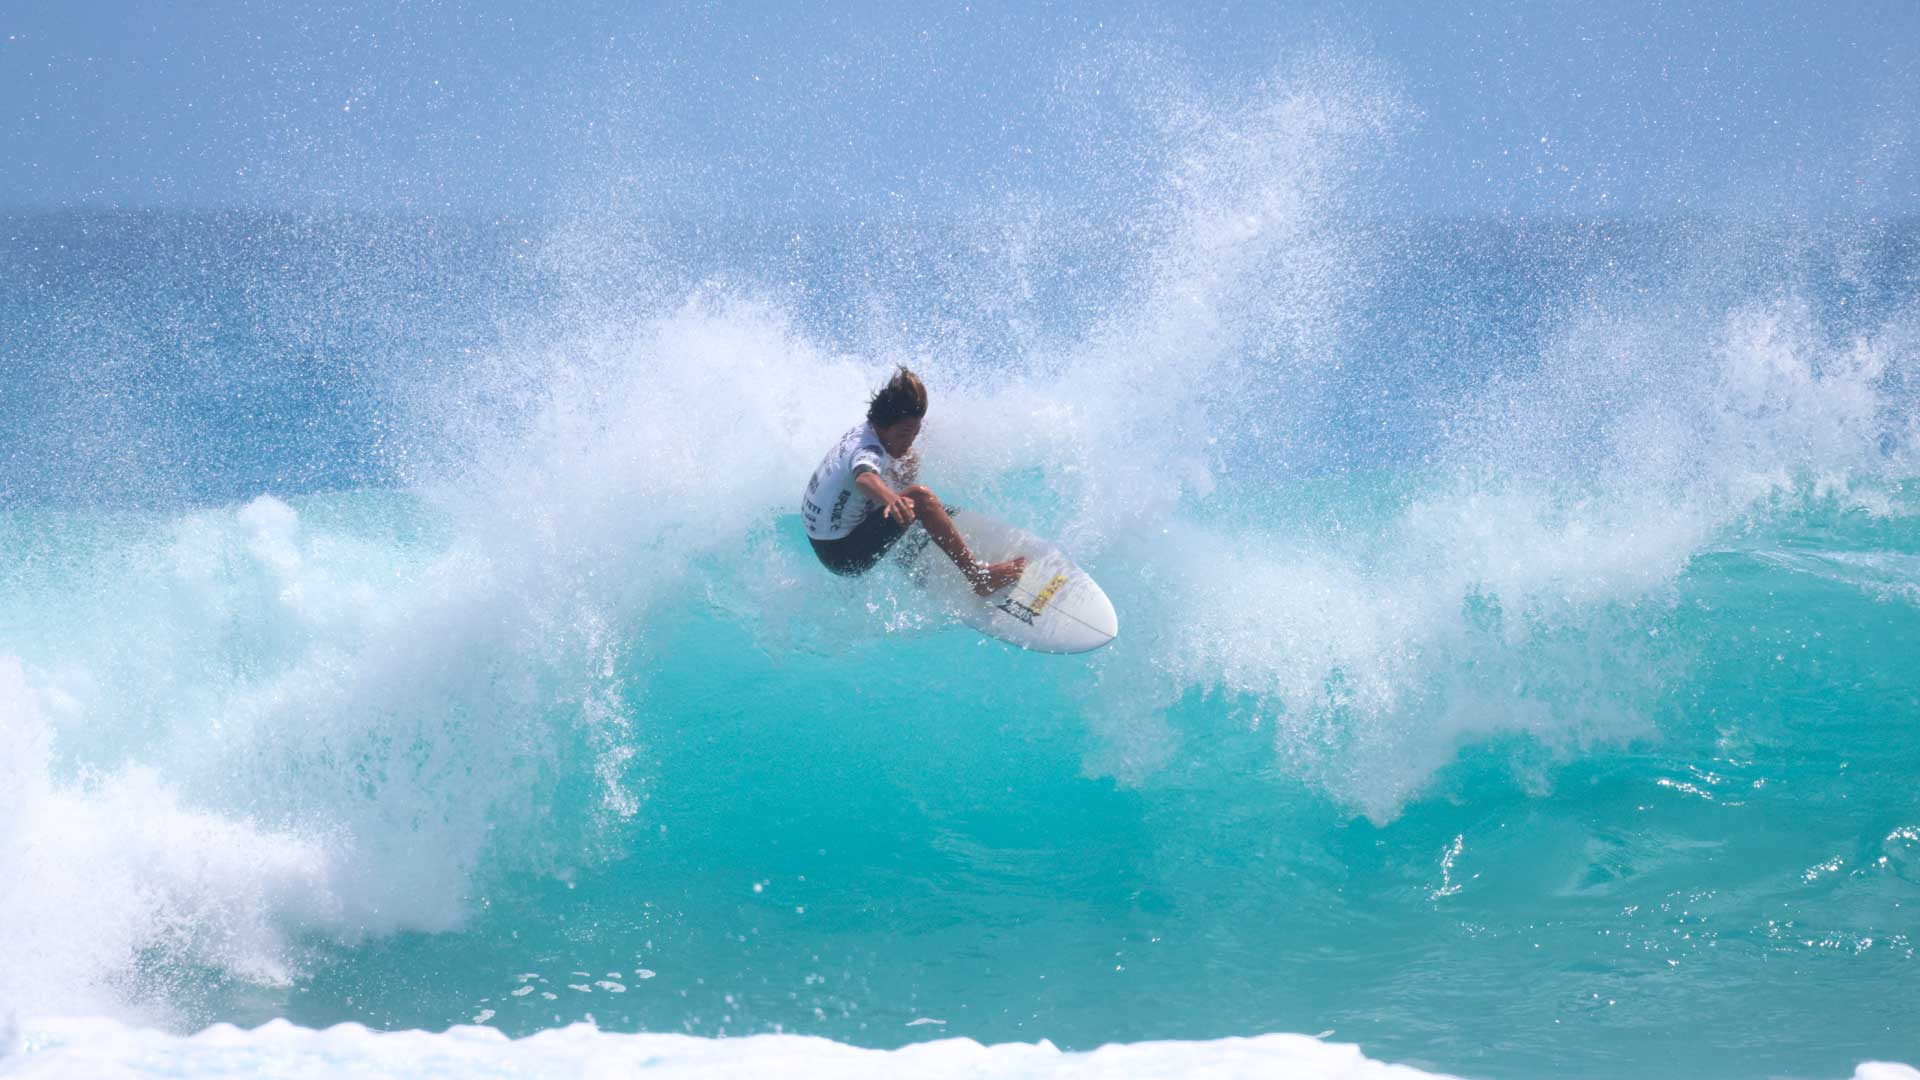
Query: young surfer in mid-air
(864, 472)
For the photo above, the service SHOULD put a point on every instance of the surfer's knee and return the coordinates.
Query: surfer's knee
(922, 497)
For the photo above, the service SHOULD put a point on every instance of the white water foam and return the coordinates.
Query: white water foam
(97, 874)
(282, 1051)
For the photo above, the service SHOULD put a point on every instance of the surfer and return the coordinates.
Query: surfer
(865, 471)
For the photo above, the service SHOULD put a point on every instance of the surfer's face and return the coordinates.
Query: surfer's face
(898, 436)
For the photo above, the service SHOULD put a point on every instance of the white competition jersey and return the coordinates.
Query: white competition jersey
(833, 506)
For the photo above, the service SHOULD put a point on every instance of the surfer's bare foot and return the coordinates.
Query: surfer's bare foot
(990, 579)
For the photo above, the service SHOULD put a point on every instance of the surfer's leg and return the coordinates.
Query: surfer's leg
(987, 578)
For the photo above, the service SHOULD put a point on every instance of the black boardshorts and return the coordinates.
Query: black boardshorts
(856, 552)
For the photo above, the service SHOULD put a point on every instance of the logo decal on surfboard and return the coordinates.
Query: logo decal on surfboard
(1078, 616)
(1026, 613)
(1046, 595)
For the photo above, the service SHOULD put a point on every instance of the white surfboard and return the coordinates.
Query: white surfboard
(1055, 606)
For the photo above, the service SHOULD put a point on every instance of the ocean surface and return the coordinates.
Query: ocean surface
(405, 621)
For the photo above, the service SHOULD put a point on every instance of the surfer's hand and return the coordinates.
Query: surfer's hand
(899, 508)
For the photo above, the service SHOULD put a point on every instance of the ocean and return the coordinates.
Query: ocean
(406, 622)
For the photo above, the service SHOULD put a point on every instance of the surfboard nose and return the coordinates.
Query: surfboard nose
(1055, 607)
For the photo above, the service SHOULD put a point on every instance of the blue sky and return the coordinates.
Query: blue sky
(1500, 107)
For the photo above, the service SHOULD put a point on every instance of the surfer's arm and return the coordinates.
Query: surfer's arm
(892, 503)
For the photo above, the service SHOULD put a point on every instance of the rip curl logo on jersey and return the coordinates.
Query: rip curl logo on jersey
(840, 507)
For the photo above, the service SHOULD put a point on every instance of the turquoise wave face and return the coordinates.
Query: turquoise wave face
(1516, 672)
(805, 806)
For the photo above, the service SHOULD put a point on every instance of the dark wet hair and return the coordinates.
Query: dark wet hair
(904, 396)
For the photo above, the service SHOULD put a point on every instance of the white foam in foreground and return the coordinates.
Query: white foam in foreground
(107, 1049)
